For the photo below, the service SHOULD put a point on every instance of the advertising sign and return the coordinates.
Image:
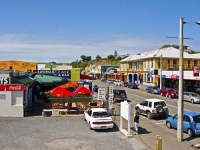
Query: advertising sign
(59, 73)
(196, 70)
(2, 87)
(101, 94)
(4, 80)
(14, 87)
(110, 99)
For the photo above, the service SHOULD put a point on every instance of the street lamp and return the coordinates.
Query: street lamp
(180, 99)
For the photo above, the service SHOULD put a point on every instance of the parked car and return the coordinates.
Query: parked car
(153, 108)
(119, 95)
(168, 92)
(191, 97)
(103, 80)
(132, 85)
(124, 84)
(117, 82)
(153, 89)
(109, 81)
(98, 118)
(191, 122)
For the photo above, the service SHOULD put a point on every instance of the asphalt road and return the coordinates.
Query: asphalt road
(153, 127)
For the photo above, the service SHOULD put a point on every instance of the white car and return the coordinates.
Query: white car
(117, 83)
(153, 108)
(98, 118)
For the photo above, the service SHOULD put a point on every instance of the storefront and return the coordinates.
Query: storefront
(15, 94)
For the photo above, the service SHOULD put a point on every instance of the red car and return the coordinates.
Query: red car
(171, 93)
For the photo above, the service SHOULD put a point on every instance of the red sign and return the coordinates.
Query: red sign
(115, 70)
(14, 87)
(2, 87)
(173, 77)
(196, 71)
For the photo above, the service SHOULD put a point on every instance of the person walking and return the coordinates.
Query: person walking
(136, 122)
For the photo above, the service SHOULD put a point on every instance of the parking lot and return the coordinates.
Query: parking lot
(67, 133)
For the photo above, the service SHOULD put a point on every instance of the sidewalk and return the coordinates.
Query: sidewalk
(148, 132)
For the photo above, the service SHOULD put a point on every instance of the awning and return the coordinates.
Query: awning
(82, 76)
(47, 79)
(20, 80)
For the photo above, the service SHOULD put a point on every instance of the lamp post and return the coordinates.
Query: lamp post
(160, 71)
(180, 100)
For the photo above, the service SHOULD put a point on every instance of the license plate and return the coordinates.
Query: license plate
(103, 127)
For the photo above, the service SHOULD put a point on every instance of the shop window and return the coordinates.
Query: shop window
(168, 62)
(188, 63)
(158, 63)
(151, 63)
(17, 98)
(174, 63)
(195, 62)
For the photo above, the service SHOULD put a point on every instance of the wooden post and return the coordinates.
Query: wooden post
(158, 142)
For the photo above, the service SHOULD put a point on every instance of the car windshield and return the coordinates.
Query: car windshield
(196, 119)
(194, 94)
(155, 88)
(100, 114)
(162, 103)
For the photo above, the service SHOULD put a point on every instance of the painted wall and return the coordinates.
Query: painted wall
(75, 74)
(12, 106)
(17, 65)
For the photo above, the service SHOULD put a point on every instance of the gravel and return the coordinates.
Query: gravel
(60, 133)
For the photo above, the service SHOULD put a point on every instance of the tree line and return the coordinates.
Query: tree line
(87, 60)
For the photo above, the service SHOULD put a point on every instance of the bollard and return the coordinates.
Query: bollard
(158, 142)
(43, 114)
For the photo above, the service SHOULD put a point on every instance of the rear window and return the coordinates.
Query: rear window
(162, 103)
(196, 119)
(155, 88)
(100, 114)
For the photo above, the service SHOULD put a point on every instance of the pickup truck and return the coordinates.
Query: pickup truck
(98, 118)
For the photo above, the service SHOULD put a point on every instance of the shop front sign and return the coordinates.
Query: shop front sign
(2, 87)
(14, 87)
(4, 80)
(59, 73)
(196, 71)
(174, 77)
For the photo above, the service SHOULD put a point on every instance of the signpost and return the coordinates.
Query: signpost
(110, 97)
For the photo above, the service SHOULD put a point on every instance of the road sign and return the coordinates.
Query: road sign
(110, 98)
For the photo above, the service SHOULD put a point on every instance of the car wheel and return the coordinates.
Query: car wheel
(149, 116)
(192, 101)
(138, 110)
(169, 125)
(147, 91)
(190, 132)
(159, 109)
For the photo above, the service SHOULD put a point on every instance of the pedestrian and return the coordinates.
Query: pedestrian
(136, 122)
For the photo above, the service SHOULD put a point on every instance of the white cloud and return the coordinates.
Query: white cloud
(21, 47)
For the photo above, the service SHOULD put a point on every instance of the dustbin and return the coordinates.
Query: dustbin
(43, 114)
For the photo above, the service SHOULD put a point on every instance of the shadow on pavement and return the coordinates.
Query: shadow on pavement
(141, 130)
(114, 129)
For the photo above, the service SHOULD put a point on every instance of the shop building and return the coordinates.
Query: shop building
(15, 93)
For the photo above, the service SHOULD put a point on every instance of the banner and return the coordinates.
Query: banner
(196, 71)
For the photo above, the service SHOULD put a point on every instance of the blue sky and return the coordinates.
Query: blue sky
(63, 30)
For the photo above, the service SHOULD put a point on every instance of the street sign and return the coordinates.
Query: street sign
(110, 98)
(101, 94)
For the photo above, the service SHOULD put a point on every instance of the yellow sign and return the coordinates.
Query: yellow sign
(18, 65)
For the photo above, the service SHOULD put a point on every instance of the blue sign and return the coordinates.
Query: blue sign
(163, 76)
(60, 73)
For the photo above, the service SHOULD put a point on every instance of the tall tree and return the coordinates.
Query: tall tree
(98, 58)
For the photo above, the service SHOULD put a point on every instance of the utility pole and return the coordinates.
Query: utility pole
(160, 71)
(180, 91)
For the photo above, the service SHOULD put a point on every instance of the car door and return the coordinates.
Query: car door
(88, 115)
(186, 122)
(186, 96)
(144, 106)
(174, 121)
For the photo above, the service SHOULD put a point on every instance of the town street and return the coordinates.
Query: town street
(151, 127)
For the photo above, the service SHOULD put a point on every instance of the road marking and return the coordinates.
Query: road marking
(177, 107)
(160, 122)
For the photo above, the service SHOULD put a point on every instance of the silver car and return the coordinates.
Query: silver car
(192, 97)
